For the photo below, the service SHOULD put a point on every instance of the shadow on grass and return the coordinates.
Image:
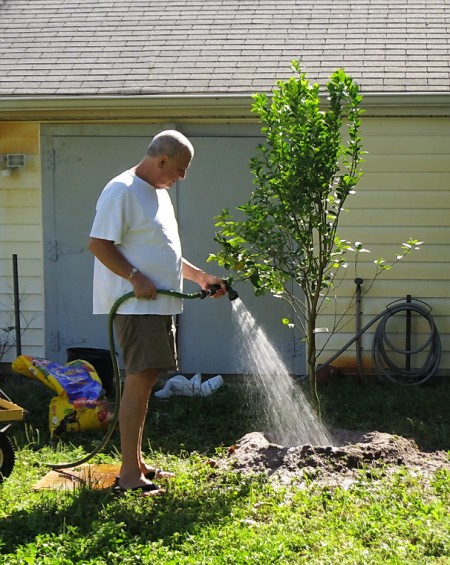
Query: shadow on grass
(102, 517)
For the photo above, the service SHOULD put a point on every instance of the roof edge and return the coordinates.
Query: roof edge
(407, 104)
(127, 108)
(204, 107)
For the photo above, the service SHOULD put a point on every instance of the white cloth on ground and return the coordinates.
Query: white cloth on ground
(181, 386)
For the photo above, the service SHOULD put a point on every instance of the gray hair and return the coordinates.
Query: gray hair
(170, 143)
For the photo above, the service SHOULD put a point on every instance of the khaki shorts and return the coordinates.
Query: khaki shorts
(147, 341)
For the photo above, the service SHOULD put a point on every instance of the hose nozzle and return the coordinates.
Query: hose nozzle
(232, 294)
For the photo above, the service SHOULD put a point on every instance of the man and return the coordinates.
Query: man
(136, 244)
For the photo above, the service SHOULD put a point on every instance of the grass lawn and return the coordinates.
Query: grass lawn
(214, 515)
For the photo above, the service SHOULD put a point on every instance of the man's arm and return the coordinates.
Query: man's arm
(108, 254)
(193, 273)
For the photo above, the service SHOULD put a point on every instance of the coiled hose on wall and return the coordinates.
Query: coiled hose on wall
(384, 366)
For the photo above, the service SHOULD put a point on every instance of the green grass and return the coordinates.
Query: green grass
(215, 516)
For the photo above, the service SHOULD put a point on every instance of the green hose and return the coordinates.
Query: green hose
(117, 387)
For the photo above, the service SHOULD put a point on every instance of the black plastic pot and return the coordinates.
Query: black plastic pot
(101, 361)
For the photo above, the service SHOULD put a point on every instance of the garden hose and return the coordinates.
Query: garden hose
(115, 416)
(385, 367)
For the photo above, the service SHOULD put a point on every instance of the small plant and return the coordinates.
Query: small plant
(8, 338)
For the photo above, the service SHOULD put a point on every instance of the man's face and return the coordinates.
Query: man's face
(172, 169)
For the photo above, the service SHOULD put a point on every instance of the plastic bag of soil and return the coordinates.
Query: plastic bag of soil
(80, 403)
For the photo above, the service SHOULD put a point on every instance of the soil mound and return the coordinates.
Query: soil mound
(333, 465)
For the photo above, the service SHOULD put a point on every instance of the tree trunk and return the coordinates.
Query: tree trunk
(311, 354)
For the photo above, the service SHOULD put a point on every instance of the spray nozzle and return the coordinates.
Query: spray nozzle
(232, 294)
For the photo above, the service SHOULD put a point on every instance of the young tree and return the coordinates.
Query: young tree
(304, 172)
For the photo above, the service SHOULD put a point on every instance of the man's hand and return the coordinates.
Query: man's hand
(143, 287)
(211, 280)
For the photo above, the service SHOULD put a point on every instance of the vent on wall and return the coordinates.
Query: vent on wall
(11, 162)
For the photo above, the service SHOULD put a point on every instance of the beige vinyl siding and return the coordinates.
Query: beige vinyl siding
(21, 234)
(404, 194)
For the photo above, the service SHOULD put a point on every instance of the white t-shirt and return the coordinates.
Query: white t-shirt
(140, 220)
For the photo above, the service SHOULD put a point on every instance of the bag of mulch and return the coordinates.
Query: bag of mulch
(80, 403)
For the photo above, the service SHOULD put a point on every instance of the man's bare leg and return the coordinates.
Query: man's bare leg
(144, 467)
(133, 410)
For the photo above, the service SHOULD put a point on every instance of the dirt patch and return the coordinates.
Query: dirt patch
(340, 465)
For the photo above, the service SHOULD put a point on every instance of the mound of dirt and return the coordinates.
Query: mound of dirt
(332, 465)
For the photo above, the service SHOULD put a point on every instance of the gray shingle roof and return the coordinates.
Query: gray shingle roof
(134, 47)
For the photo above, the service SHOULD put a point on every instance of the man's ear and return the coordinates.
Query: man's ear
(162, 160)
